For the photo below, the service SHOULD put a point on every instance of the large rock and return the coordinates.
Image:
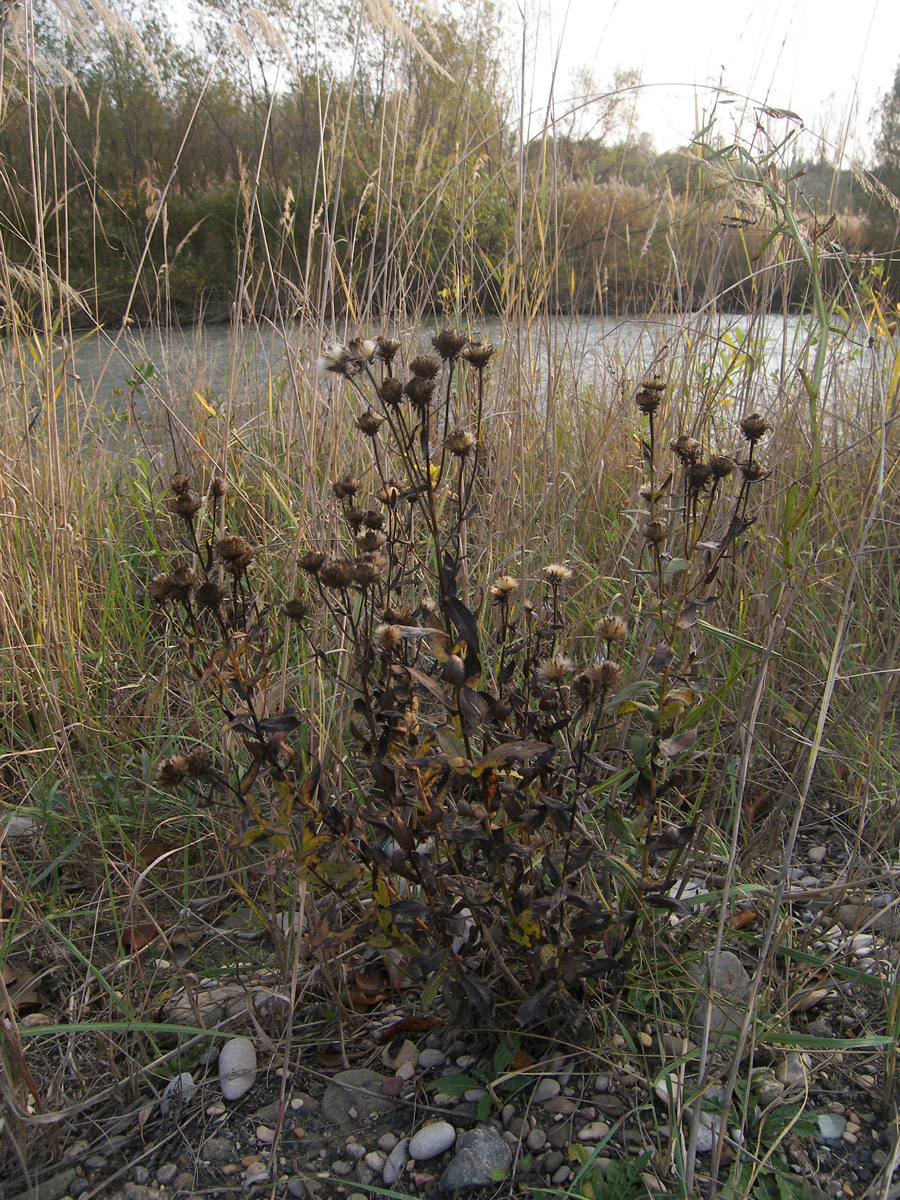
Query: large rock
(481, 1158)
(354, 1092)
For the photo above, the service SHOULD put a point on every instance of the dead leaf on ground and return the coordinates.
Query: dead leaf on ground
(21, 988)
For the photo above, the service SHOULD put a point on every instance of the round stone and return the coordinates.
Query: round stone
(431, 1140)
(237, 1068)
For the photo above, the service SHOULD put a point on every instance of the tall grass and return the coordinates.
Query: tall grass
(91, 702)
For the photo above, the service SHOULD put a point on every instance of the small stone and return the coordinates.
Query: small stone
(465, 1060)
(560, 1175)
(407, 1052)
(341, 1167)
(602, 1083)
(594, 1131)
(376, 1160)
(431, 1140)
(296, 1104)
(536, 1140)
(237, 1067)
(831, 1127)
(545, 1089)
(507, 1112)
(216, 1150)
(166, 1173)
(139, 1191)
(553, 1161)
(265, 1135)
(178, 1091)
(141, 1175)
(431, 1058)
(560, 1106)
(791, 1070)
(355, 1151)
(473, 1095)
(94, 1162)
(297, 1188)
(519, 1127)
(387, 1142)
(816, 854)
(396, 1162)
(850, 1138)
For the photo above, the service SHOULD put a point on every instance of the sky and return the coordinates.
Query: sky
(826, 60)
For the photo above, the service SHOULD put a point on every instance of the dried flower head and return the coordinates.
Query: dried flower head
(391, 392)
(373, 518)
(311, 561)
(185, 505)
(397, 615)
(721, 465)
(377, 559)
(218, 488)
(449, 344)
(754, 427)
(337, 574)
(655, 532)
(181, 582)
(372, 539)
(424, 366)
(606, 673)
(180, 483)
(365, 572)
(647, 400)
(753, 472)
(296, 610)
(355, 518)
(686, 448)
(369, 422)
(386, 637)
(386, 349)
(159, 589)
(362, 350)
(172, 772)
(389, 494)
(649, 492)
(700, 476)
(198, 761)
(461, 442)
(585, 686)
(479, 354)
(210, 595)
(612, 629)
(234, 553)
(557, 573)
(337, 359)
(556, 669)
(346, 487)
(419, 390)
(504, 586)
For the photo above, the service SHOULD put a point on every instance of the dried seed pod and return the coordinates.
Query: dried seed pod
(449, 344)
(424, 366)
(754, 427)
(479, 354)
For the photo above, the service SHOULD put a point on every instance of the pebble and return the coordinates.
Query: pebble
(431, 1058)
(481, 1155)
(831, 1127)
(166, 1173)
(791, 1070)
(465, 1060)
(354, 1095)
(602, 1083)
(545, 1089)
(265, 1135)
(178, 1091)
(355, 1151)
(536, 1140)
(341, 1167)
(237, 1067)
(297, 1188)
(376, 1160)
(431, 1140)
(473, 1095)
(216, 1150)
(560, 1106)
(560, 1175)
(393, 1168)
(387, 1142)
(816, 854)
(594, 1131)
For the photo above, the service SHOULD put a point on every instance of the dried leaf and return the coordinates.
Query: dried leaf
(534, 1008)
(680, 743)
(504, 756)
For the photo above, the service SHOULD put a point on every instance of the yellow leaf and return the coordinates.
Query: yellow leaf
(206, 404)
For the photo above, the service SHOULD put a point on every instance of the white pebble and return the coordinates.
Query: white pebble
(237, 1068)
(431, 1140)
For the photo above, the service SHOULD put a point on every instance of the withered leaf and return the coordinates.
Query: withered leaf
(534, 1009)
(478, 994)
(662, 657)
(508, 753)
(679, 743)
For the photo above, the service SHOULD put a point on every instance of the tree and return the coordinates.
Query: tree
(887, 139)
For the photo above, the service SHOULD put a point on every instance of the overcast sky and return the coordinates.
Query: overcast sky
(827, 61)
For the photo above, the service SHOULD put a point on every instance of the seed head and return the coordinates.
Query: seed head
(378, 560)
(355, 518)
(754, 427)
(218, 488)
(346, 487)
(700, 476)
(606, 673)
(585, 686)
(362, 350)
(449, 344)
(504, 586)
(461, 443)
(391, 392)
(479, 354)
(337, 574)
(180, 483)
(686, 448)
(721, 466)
(172, 772)
(369, 422)
(556, 669)
(311, 561)
(197, 759)
(181, 581)
(159, 589)
(612, 629)
(424, 366)
(394, 615)
(386, 637)
(655, 532)
(372, 539)
(373, 518)
(365, 572)
(648, 400)
(649, 492)
(234, 553)
(296, 610)
(386, 349)
(185, 505)
(337, 359)
(753, 472)
(419, 390)
(389, 494)
(557, 573)
(210, 595)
